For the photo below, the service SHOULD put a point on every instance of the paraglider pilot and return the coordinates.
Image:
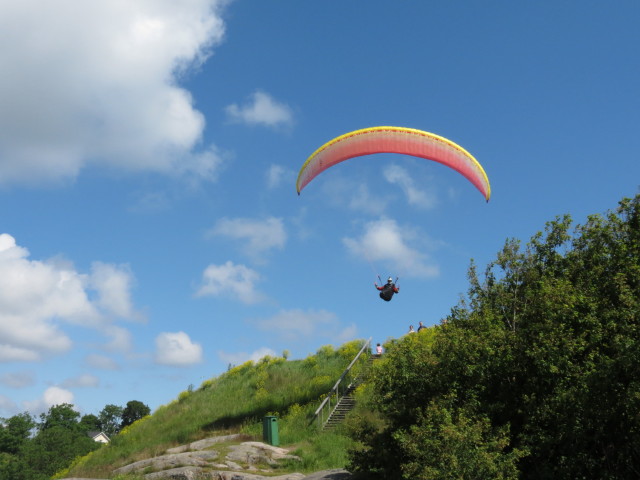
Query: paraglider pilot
(387, 290)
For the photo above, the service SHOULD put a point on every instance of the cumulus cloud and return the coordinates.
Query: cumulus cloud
(362, 200)
(98, 82)
(397, 175)
(7, 406)
(239, 358)
(113, 285)
(258, 235)
(51, 397)
(277, 174)
(297, 324)
(177, 349)
(81, 381)
(57, 396)
(18, 379)
(383, 240)
(231, 280)
(38, 297)
(101, 362)
(118, 339)
(341, 192)
(261, 109)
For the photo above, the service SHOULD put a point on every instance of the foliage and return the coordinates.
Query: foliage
(15, 431)
(53, 449)
(34, 450)
(90, 423)
(76, 462)
(322, 451)
(135, 410)
(59, 437)
(62, 415)
(110, 418)
(536, 374)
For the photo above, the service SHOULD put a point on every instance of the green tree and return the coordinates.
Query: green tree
(12, 467)
(110, 418)
(542, 360)
(62, 415)
(89, 423)
(135, 410)
(53, 449)
(427, 431)
(60, 438)
(15, 431)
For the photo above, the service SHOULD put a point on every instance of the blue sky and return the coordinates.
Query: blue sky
(150, 231)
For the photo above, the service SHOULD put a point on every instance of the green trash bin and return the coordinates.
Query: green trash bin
(270, 431)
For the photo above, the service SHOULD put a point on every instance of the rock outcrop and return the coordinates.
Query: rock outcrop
(203, 460)
(213, 458)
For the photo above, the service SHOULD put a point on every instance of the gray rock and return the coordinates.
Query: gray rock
(181, 473)
(258, 452)
(205, 443)
(335, 474)
(195, 462)
(193, 473)
(163, 462)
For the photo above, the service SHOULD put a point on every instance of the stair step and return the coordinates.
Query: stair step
(347, 402)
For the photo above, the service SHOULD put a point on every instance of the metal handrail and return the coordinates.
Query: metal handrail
(336, 387)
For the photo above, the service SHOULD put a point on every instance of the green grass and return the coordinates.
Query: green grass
(236, 402)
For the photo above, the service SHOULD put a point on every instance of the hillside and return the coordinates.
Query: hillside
(235, 403)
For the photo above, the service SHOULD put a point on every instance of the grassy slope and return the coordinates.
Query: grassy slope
(235, 402)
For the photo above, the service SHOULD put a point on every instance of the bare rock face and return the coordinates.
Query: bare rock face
(164, 462)
(205, 443)
(253, 453)
(201, 460)
(207, 459)
(194, 473)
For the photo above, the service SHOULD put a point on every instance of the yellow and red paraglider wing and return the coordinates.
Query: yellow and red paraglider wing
(407, 141)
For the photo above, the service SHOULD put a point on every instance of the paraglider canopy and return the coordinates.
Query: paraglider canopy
(407, 141)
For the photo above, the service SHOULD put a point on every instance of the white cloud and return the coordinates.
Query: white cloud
(97, 82)
(362, 200)
(113, 284)
(385, 241)
(347, 334)
(277, 174)
(239, 358)
(81, 381)
(37, 298)
(230, 280)
(177, 349)
(297, 324)
(18, 379)
(51, 397)
(119, 339)
(261, 109)
(341, 192)
(7, 406)
(32, 294)
(397, 175)
(57, 396)
(259, 236)
(102, 362)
